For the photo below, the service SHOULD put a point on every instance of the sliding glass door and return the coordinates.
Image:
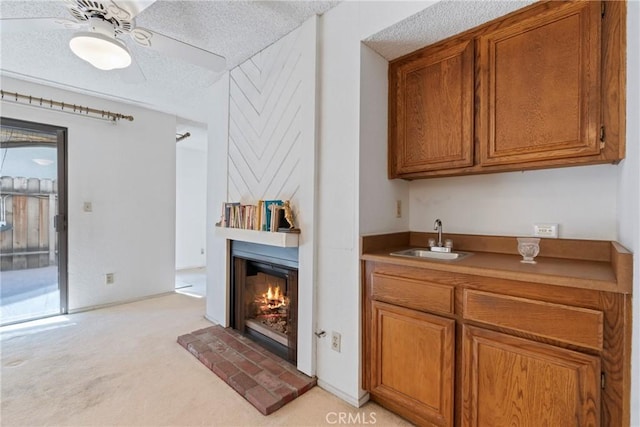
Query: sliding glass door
(33, 237)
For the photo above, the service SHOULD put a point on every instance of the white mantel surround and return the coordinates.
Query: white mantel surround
(306, 337)
(283, 240)
(267, 151)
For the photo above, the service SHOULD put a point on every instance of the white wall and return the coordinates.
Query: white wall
(629, 192)
(508, 204)
(217, 156)
(377, 207)
(337, 275)
(191, 207)
(339, 185)
(127, 171)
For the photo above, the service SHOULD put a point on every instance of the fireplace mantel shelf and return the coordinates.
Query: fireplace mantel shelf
(283, 240)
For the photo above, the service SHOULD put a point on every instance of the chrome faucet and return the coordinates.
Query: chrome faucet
(437, 226)
(439, 245)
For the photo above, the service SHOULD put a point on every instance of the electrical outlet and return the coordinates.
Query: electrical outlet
(398, 208)
(545, 230)
(109, 278)
(336, 339)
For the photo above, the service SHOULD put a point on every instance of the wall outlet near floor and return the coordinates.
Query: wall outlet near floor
(545, 230)
(336, 339)
(109, 279)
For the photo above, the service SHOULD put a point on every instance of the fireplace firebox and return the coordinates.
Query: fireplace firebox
(264, 297)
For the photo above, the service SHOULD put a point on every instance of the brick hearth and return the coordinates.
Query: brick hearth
(267, 381)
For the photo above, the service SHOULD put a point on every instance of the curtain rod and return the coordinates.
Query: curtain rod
(180, 137)
(64, 107)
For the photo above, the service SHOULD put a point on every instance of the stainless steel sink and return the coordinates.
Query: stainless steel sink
(426, 253)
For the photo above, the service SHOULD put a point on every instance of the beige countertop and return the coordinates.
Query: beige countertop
(595, 272)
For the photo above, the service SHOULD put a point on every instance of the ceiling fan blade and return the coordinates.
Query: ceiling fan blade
(18, 25)
(178, 49)
(133, 7)
(133, 73)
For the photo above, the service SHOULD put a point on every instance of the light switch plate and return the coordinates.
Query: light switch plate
(545, 230)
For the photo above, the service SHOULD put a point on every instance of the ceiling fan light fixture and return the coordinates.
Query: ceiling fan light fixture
(103, 52)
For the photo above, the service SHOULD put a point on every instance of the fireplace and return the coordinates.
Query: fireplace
(264, 297)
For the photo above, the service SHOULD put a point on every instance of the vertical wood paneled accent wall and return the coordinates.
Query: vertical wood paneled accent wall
(272, 151)
(265, 124)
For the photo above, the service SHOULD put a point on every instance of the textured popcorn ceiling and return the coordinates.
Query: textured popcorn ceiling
(234, 29)
(437, 22)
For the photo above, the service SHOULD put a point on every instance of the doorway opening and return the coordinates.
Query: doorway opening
(191, 209)
(33, 235)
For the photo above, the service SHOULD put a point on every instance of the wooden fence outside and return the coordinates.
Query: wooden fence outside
(28, 238)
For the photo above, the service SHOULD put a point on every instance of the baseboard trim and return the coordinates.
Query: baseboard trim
(195, 267)
(212, 320)
(111, 304)
(353, 401)
(364, 398)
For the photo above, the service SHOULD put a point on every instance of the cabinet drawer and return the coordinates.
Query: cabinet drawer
(572, 325)
(416, 294)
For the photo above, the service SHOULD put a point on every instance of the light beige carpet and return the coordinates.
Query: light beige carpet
(121, 366)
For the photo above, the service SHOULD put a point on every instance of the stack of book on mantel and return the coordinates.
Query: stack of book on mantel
(267, 215)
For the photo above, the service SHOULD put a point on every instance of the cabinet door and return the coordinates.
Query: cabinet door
(431, 110)
(539, 86)
(412, 362)
(510, 381)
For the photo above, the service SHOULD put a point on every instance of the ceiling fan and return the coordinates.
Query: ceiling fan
(104, 22)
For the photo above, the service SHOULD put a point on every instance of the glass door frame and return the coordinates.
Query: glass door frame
(61, 223)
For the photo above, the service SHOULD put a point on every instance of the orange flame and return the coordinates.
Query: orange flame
(274, 298)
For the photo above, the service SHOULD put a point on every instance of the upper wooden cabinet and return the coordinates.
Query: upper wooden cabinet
(539, 86)
(431, 97)
(542, 87)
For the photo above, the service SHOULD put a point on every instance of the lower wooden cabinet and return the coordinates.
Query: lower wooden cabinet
(412, 355)
(509, 381)
(451, 349)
